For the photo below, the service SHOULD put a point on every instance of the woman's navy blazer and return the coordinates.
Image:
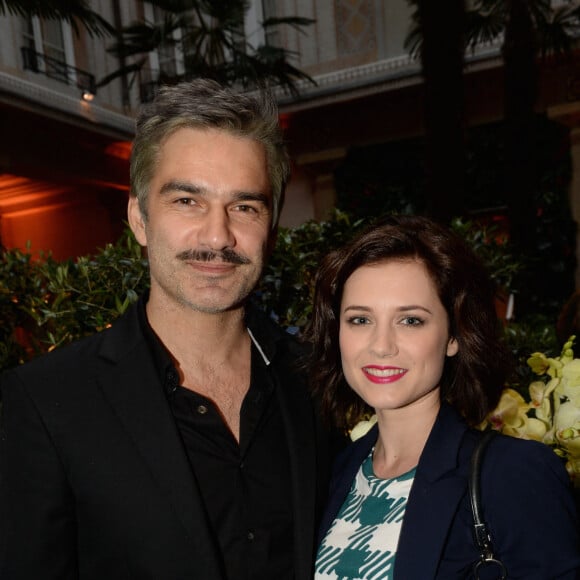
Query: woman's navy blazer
(526, 498)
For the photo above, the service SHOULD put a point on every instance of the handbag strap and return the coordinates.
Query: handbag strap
(481, 532)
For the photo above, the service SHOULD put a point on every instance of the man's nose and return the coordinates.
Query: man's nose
(215, 232)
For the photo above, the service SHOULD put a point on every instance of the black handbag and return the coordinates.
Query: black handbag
(481, 533)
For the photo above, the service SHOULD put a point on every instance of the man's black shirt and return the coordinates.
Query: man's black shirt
(245, 487)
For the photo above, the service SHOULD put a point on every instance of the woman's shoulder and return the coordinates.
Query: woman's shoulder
(516, 463)
(522, 453)
(528, 503)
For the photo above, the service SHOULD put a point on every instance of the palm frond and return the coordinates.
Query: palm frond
(274, 63)
(74, 12)
(484, 26)
(414, 39)
(557, 33)
(212, 42)
(143, 37)
(127, 70)
(296, 22)
(540, 11)
(174, 6)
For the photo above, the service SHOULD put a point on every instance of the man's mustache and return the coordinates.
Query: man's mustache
(227, 255)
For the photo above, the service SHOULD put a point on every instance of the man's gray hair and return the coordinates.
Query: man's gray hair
(205, 104)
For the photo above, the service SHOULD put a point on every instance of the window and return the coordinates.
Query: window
(53, 49)
(47, 48)
(28, 35)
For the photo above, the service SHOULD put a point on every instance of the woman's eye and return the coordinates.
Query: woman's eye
(358, 320)
(412, 321)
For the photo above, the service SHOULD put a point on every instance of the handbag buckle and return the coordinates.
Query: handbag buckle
(486, 563)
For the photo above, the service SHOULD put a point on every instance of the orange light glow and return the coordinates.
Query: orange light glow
(119, 149)
(40, 216)
(284, 119)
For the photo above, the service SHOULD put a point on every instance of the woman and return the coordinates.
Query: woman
(404, 326)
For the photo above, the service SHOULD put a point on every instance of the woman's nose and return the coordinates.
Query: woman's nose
(384, 343)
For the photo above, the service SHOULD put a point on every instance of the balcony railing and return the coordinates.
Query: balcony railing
(58, 70)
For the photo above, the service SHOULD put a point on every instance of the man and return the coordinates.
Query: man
(181, 443)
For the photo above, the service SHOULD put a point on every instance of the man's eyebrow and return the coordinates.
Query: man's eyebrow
(188, 187)
(184, 186)
(253, 196)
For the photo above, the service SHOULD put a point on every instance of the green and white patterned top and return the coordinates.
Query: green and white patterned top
(362, 542)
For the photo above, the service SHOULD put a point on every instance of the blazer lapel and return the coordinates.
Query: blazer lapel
(129, 381)
(433, 501)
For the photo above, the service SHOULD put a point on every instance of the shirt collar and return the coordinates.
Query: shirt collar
(263, 333)
(259, 348)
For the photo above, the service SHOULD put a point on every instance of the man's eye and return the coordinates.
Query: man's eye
(246, 209)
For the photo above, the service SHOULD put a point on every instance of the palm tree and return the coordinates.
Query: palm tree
(531, 30)
(73, 11)
(209, 36)
(437, 36)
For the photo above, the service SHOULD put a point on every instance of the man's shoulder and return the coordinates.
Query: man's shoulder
(65, 355)
(77, 356)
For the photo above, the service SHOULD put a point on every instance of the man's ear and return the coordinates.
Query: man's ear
(136, 220)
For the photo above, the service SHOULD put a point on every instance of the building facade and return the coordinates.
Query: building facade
(64, 146)
(66, 139)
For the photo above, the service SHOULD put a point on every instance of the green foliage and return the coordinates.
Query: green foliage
(17, 282)
(494, 250)
(287, 285)
(45, 303)
(535, 333)
(86, 295)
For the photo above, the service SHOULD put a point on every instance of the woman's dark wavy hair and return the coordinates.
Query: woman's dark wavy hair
(473, 379)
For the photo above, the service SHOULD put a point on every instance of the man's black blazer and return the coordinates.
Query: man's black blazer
(95, 482)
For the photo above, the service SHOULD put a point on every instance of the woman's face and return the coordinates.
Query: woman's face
(394, 334)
